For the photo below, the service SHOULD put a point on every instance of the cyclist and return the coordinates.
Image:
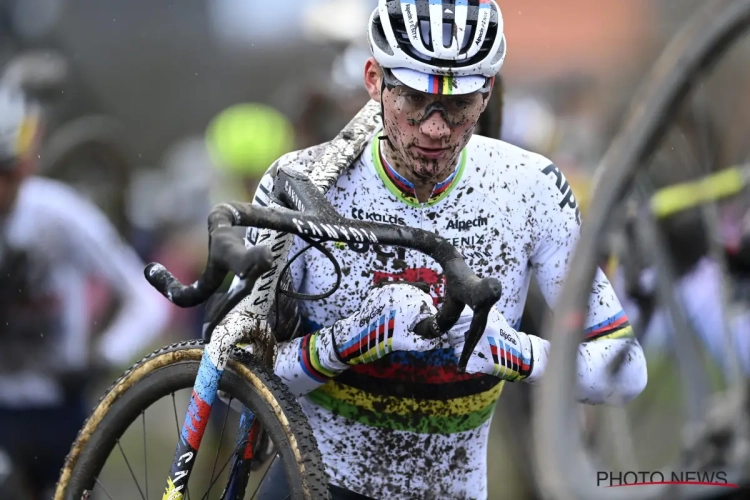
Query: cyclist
(391, 414)
(51, 242)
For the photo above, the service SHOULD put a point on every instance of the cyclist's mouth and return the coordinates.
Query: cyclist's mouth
(430, 153)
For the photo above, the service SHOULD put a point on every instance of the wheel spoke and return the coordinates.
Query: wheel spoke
(130, 469)
(264, 476)
(213, 481)
(103, 489)
(145, 454)
(177, 425)
(218, 448)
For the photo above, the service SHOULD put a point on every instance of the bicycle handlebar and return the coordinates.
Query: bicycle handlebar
(314, 217)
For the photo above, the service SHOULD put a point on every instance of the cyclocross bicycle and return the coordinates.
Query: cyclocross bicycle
(220, 367)
(715, 436)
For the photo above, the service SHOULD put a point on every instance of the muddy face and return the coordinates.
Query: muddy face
(428, 132)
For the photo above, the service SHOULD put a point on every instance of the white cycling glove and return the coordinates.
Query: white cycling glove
(513, 355)
(382, 325)
(502, 351)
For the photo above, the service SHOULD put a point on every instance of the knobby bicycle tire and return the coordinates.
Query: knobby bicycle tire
(565, 469)
(173, 368)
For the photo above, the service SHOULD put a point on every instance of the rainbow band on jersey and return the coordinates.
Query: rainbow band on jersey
(409, 391)
(308, 359)
(422, 416)
(615, 327)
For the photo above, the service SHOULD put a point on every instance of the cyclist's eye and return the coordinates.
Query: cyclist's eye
(414, 98)
(461, 102)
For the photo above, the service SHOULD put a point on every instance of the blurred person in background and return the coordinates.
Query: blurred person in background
(225, 163)
(329, 103)
(169, 230)
(52, 242)
(243, 141)
(699, 285)
(529, 122)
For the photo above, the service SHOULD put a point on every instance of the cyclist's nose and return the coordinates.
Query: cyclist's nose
(435, 127)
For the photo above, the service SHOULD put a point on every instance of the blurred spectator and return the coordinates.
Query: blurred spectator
(52, 243)
(168, 209)
(244, 140)
(327, 103)
(530, 123)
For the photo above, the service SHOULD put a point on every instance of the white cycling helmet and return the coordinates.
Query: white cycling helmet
(19, 125)
(438, 46)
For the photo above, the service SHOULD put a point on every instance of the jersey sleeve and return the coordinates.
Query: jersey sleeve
(558, 220)
(98, 250)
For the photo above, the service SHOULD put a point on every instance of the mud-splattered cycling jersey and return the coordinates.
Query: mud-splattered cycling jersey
(408, 425)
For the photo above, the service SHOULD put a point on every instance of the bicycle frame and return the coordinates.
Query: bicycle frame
(325, 171)
(325, 224)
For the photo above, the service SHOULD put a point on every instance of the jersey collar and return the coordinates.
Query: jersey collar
(403, 189)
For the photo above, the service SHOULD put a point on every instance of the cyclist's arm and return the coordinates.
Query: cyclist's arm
(607, 331)
(99, 251)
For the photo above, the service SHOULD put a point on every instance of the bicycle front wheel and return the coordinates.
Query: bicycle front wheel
(108, 434)
(657, 133)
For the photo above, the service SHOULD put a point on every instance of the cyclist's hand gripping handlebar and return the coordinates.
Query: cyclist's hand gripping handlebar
(479, 294)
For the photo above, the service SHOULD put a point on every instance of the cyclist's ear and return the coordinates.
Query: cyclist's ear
(373, 79)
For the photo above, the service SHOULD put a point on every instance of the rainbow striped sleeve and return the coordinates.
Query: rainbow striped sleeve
(373, 342)
(308, 359)
(510, 363)
(615, 327)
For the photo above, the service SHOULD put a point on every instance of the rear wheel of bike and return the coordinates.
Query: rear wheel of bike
(666, 127)
(116, 457)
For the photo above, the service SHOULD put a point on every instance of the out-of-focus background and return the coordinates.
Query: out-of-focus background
(164, 69)
(158, 71)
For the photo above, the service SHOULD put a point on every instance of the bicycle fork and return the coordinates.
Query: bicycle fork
(198, 413)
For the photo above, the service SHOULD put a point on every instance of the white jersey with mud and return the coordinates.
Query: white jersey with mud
(409, 425)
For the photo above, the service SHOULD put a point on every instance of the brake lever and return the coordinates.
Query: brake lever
(229, 300)
(428, 328)
(224, 304)
(476, 330)
(484, 294)
(442, 321)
